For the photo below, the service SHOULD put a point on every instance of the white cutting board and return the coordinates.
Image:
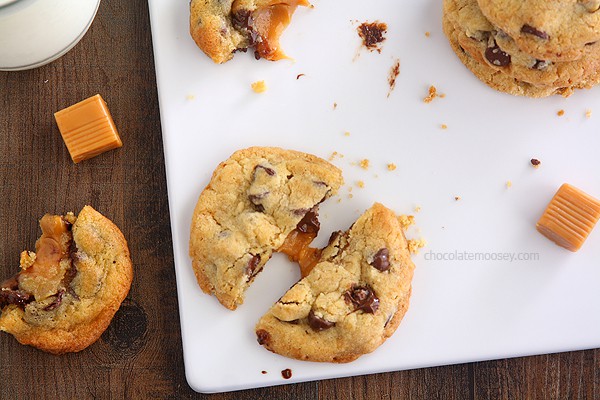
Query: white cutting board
(460, 310)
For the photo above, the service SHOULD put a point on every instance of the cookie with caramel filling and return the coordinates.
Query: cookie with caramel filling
(253, 202)
(68, 290)
(222, 27)
(351, 301)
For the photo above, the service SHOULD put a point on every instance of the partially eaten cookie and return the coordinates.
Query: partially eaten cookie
(351, 301)
(255, 200)
(69, 289)
(222, 27)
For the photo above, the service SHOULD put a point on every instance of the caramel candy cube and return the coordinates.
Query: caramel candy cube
(570, 217)
(87, 128)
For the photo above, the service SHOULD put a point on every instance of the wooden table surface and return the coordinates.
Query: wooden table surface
(140, 355)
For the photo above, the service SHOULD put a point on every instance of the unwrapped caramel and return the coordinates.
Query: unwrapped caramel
(87, 128)
(570, 217)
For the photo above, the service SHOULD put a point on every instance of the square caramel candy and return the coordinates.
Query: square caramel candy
(87, 128)
(570, 217)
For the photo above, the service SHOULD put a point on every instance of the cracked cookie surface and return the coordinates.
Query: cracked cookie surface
(491, 46)
(67, 292)
(253, 201)
(556, 30)
(351, 301)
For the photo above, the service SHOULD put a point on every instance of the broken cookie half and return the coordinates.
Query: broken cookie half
(222, 27)
(255, 200)
(69, 289)
(351, 301)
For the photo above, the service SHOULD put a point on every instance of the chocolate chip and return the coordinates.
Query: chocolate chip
(286, 373)
(19, 298)
(496, 56)
(269, 171)
(363, 298)
(241, 19)
(318, 323)
(535, 32)
(310, 222)
(334, 236)
(381, 260)
(262, 336)
(252, 264)
(535, 162)
(57, 301)
(255, 199)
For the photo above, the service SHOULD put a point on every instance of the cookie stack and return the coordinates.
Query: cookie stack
(533, 48)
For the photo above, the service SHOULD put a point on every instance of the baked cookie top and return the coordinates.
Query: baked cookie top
(351, 301)
(496, 78)
(490, 45)
(556, 30)
(67, 292)
(222, 27)
(253, 201)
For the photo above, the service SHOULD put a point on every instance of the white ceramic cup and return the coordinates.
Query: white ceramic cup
(36, 32)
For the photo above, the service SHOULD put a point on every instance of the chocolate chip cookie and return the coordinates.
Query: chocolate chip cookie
(254, 201)
(489, 45)
(351, 301)
(555, 30)
(222, 27)
(67, 292)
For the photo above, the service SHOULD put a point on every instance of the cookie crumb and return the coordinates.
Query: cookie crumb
(190, 97)
(406, 221)
(457, 198)
(415, 244)
(346, 133)
(393, 75)
(286, 373)
(335, 155)
(350, 196)
(364, 164)
(360, 184)
(588, 114)
(259, 86)
(444, 126)
(560, 113)
(536, 163)
(432, 94)
(27, 259)
(263, 372)
(418, 209)
(299, 75)
(391, 167)
(427, 34)
(508, 184)
(334, 105)
(372, 34)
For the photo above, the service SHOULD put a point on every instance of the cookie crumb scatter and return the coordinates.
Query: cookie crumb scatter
(432, 94)
(335, 155)
(535, 162)
(588, 114)
(560, 113)
(427, 34)
(298, 76)
(372, 34)
(393, 75)
(259, 86)
(364, 164)
(508, 184)
(360, 184)
(286, 373)
(391, 167)
(415, 244)
(444, 126)
(406, 221)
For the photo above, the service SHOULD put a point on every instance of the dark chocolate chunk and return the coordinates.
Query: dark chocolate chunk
(381, 260)
(241, 19)
(262, 336)
(57, 301)
(317, 323)
(310, 222)
(286, 373)
(19, 298)
(535, 32)
(363, 298)
(269, 171)
(252, 264)
(255, 199)
(496, 56)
